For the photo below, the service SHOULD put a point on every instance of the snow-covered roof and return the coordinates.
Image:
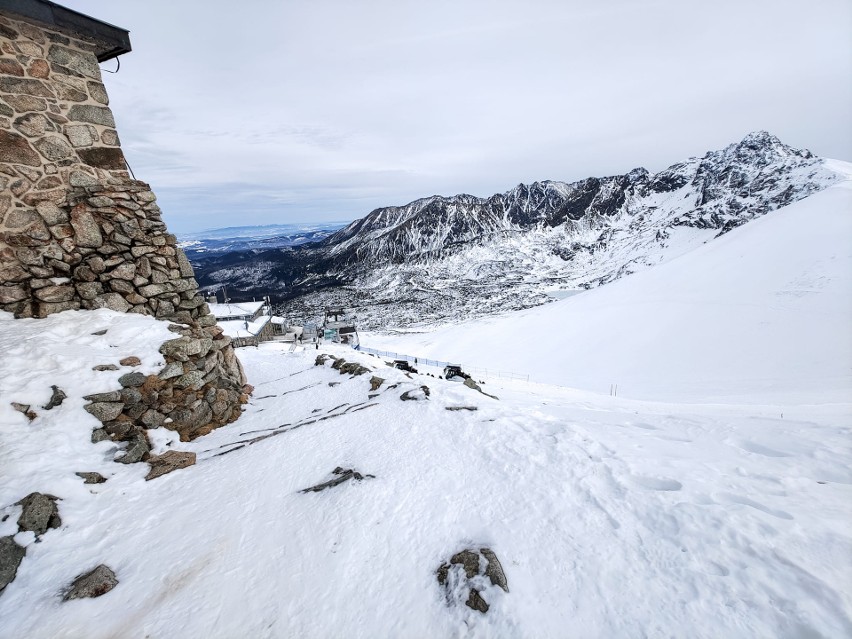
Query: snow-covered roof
(278, 320)
(242, 328)
(235, 310)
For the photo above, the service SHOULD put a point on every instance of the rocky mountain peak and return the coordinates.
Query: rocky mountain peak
(444, 258)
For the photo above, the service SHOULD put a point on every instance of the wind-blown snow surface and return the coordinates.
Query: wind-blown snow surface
(763, 313)
(611, 516)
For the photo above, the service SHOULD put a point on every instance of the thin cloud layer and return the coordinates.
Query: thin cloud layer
(268, 112)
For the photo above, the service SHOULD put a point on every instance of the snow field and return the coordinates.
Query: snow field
(760, 315)
(611, 517)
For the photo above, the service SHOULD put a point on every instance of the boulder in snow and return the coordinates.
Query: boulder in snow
(169, 461)
(39, 512)
(11, 555)
(92, 584)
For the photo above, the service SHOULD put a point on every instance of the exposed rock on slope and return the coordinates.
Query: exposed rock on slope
(441, 258)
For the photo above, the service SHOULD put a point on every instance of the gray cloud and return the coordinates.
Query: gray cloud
(291, 111)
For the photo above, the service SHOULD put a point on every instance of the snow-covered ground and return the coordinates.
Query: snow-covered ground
(762, 314)
(611, 517)
(711, 498)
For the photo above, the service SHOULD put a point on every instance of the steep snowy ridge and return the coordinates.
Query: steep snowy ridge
(448, 258)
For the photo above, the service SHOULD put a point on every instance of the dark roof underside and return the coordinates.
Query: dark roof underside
(111, 41)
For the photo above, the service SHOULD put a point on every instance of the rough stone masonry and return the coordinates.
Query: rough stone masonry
(77, 232)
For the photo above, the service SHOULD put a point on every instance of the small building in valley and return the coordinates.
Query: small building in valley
(246, 323)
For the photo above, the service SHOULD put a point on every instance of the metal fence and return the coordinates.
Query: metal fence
(481, 373)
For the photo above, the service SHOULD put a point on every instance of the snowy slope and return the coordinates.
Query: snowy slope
(610, 517)
(442, 259)
(763, 312)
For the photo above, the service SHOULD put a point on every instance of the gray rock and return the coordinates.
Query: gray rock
(375, 382)
(469, 560)
(136, 449)
(169, 461)
(494, 570)
(341, 475)
(112, 301)
(81, 178)
(91, 478)
(176, 349)
(91, 114)
(15, 149)
(89, 290)
(105, 367)
(476, 601)
(51, 214)
(130, 395)
(183, 264)
(99, 435)
(53, 147)
(12, 294)
(56, 399)
(80, 61)
(39, 512)
(170, 370)
(86, 231)
(57, 293)
(153, 419)
(105, 411)
(98, 92)
(152, 290)
(472, 562)
(11, 555)
(80, 134)
(418, 394)
(126, 271)
(132, 379)
(192, 379)
(92, 584)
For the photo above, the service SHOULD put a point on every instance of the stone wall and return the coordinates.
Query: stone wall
(76, 232)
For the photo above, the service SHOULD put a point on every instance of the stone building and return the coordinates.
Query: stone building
(77, 231)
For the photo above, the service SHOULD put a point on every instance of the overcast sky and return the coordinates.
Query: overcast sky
(262, 111)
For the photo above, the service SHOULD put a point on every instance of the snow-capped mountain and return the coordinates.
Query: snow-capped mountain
(439, 259)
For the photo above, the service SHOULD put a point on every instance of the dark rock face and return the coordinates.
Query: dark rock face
(92, 584)
(11, 555)
(393, 264)
(475, 566)
(39, 512)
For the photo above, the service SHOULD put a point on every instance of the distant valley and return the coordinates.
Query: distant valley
(440, 259)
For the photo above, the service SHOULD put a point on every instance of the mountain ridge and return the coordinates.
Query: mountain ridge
(443, 258)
